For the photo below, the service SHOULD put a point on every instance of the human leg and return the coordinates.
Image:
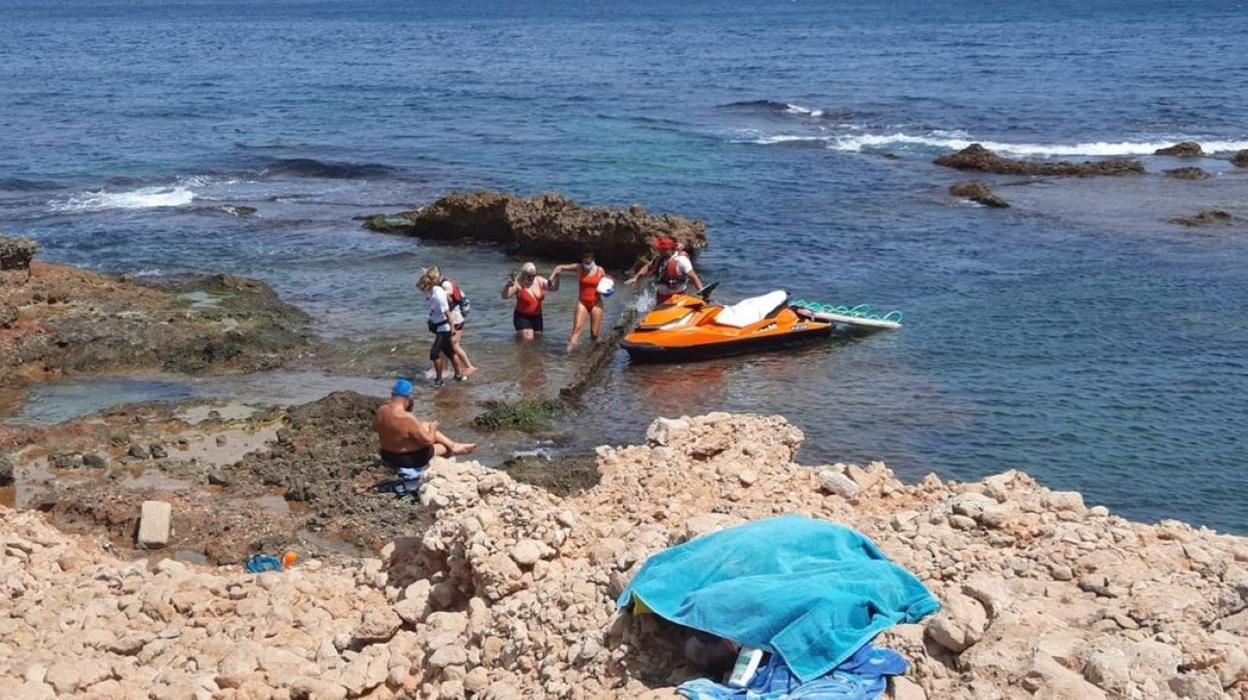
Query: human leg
(595, 322)
(457, 338)
(449, 446)
(578, 325)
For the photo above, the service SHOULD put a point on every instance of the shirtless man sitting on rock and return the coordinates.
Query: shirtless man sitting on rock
(408, 443)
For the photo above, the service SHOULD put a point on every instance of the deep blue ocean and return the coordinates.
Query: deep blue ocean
(1077, 335)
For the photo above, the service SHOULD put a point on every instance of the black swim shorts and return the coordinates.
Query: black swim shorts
(441, 344)
(407, 460)
(523, 322)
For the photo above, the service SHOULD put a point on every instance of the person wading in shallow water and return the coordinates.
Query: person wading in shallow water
(529, 289)
(439, 326)
(588, 299)
(458, 304)
(408, 443)
(672, 270)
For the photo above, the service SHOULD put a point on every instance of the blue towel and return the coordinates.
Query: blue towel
(808, 590)
(861, 677)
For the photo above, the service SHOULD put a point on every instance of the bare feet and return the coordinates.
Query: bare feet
(462, 448)
(470, 370)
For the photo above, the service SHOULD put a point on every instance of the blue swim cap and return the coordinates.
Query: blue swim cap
(402, 387)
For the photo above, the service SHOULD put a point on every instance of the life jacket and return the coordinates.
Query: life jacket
(528, 303)
(668, 273)
(456, 297)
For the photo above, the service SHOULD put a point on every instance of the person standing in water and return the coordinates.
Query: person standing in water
(406, 442)
(529, 289)
(458, 311)
(672, 270)
(588, 299)
(440, 326)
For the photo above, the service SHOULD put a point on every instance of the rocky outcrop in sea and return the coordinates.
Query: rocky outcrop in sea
(976, 157)
(504, 590)
(548, 226)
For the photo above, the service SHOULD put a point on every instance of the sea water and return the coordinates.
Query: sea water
(1077, 335)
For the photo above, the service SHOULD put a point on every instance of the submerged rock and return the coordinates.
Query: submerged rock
(977, 192)
(1204, 218)
(546, 225)
(1189, 173)
(976, 157)
(1183, 149)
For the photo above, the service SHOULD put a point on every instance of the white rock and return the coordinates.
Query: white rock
(837, 483)
(526, 552)
(155, 524)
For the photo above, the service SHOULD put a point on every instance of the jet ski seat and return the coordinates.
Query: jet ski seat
(752, 310)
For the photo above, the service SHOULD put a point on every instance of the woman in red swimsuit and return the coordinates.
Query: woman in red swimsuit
(588, 300)
(529, 289)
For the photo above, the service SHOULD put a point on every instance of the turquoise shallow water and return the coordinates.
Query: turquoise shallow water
(1076, 335)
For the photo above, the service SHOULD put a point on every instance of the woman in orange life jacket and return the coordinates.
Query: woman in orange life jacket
(529, 289)
(588, 299)
(672, 271)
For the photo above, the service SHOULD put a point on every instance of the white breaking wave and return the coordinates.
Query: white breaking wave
(956, 141)
(142, 198)
(798, 109)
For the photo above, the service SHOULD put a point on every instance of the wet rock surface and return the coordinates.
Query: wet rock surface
(1240, 159)
(504, 590)
(976, 157)
(548, 226)
(977, 192)
(1191, 173)
(1183, 149)
(68, 320)
(1205, 218)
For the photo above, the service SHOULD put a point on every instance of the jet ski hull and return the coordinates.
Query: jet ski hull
(690, 328)
(639, 350)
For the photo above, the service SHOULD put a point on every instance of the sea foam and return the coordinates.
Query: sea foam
(142, 198)
(957, 141)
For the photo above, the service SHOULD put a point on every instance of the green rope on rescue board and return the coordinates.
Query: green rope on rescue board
(863, 311)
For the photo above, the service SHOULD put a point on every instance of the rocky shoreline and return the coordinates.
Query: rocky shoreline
(65, 320)
(499, 589)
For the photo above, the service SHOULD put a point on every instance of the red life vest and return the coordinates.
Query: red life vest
(528, 303)
(455, 295)
(669, 273)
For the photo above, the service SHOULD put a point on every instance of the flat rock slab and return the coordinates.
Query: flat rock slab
(155, 520)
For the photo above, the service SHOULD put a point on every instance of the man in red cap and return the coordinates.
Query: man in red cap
(671, 268)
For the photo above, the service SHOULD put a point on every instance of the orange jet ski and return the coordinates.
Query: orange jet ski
(693, 328)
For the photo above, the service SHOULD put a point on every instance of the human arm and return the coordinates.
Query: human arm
(697, 280)
(554, 276)
(643, 270)
(510, 288)
(424, 432)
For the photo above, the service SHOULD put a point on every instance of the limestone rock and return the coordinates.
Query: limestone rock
(526, 552)
(836, 483)
(959, 624)
(1183, 149)
(155, 521)
(546, 225)
(977, 192)
(976, 157)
